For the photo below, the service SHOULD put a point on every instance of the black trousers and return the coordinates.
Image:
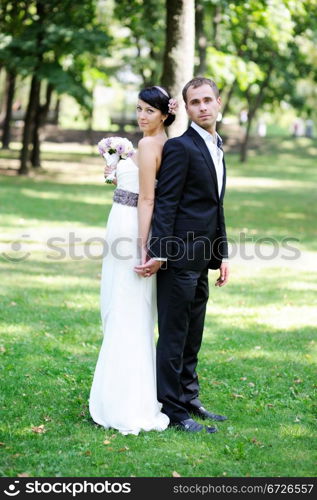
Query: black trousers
(181, 299)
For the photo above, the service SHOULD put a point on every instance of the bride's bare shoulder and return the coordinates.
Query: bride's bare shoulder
(148, 142)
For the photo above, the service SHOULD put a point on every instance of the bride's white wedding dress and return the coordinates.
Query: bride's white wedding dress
(123, 392)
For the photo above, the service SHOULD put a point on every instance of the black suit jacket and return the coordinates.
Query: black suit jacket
(188, 226)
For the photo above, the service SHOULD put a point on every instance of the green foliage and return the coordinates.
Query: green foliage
(55, 40)
(74, 48)
(142, 47)
(228, 68)
(260, 38)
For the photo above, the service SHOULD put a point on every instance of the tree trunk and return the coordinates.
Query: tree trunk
(11, 78)
(137, 43)
(201, 39)
(178, 62)
(230, 92)
(2, 100)
(253, 107)
(217, 17)
(34, 96)
(39, 121)
(36, 152)
(245, 142)
(29, 124)
(91, 122)
(226, 103)
(156, 71)
(56, 111)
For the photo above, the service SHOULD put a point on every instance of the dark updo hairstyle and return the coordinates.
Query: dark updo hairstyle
(156, 97)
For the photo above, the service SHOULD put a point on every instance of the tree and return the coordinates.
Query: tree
(53, 47)
(142, 51)
(178, 62)
(13, 15)
(39, 120)
(208, 18)
(276, 51)
(201, 37)
(9, 96)
(257, 58)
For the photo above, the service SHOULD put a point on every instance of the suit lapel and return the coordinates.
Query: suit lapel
(200, 143)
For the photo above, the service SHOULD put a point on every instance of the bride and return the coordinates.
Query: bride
(123, 391)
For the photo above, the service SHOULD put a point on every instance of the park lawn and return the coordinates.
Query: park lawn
(256, 362)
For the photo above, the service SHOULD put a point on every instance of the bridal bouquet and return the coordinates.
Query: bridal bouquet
(114, 149)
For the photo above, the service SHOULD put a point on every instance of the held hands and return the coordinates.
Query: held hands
(148, 268)
(224, 274)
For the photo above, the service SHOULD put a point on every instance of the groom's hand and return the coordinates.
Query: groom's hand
(224, 274)
(149, 268)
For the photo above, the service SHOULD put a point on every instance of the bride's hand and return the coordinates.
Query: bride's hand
(149, 268)
(144, 255)
(107, 171)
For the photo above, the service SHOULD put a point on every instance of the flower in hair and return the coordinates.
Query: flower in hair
(172, 106)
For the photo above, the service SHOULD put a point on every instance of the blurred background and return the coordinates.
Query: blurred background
(71, 73)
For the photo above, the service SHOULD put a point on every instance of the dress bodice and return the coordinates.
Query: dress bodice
(128, 175)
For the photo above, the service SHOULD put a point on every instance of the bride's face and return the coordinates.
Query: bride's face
(150, 119)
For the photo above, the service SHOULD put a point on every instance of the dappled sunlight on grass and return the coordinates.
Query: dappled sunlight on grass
(278, 355)
(9, 328)
(288, 317)
(291, 215)
(256, 183)
(302, 285)
(295, 430)
(66, 197)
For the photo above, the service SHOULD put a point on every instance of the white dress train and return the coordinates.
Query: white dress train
(123, 392)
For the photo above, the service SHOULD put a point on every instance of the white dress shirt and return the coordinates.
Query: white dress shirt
(215, 152)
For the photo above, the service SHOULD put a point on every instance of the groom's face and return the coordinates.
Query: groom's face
(203, 106)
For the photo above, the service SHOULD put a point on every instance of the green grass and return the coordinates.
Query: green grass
(257, 359)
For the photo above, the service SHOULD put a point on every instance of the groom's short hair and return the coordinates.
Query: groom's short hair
(198, 81)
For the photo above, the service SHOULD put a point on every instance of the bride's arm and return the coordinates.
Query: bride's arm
(148, 161)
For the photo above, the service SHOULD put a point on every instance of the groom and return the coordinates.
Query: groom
(189, 234)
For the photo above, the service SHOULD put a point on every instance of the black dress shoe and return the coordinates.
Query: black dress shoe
(190, 425)
(203, 413)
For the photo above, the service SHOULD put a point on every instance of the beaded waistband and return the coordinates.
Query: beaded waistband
(125, 197)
